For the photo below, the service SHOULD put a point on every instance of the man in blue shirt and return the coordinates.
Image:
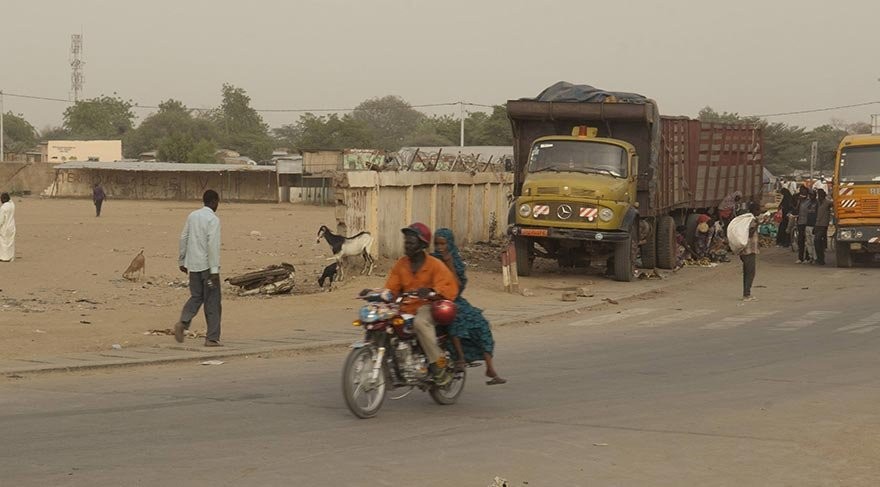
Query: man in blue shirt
(200, 259)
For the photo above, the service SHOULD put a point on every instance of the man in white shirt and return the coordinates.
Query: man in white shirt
(200, 259)
(7, 228)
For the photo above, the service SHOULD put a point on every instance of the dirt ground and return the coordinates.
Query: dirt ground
(65, 292)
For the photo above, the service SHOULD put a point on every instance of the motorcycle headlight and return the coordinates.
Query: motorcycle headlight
(525, 210)
(845, 234)
(369, 314)
(605, 214)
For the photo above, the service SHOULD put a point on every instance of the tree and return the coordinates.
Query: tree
(389, 119)
(173, 117)
(496, 128)
(240, 127)
(18, 134)
(828, 138)
(50, 132)
(203, 152)
(176, 147)
(105, 117)
(325, 132)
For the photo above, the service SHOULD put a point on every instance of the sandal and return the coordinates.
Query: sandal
(496, 381)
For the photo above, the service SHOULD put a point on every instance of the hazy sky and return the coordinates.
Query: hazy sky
(746, 56)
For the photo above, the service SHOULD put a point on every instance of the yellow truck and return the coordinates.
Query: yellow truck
(856, 194)
(601, 176)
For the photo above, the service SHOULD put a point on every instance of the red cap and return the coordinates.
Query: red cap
(420, 230)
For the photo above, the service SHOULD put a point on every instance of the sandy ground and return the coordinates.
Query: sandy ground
(65, 291)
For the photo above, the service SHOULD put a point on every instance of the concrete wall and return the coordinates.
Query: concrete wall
(167, 185)
(20, 177)
(383, 203)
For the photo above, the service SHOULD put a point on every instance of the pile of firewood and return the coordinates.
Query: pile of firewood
(275, 279)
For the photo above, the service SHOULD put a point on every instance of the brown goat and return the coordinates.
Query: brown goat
(138, 266)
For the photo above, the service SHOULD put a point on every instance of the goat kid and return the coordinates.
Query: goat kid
(349, 247)
(329, 274)
(137, 268)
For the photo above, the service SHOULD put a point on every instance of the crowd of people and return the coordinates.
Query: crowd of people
(803, 221)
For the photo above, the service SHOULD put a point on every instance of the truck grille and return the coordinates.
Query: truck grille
(871, 205)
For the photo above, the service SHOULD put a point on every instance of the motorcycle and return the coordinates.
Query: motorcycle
(390, 357)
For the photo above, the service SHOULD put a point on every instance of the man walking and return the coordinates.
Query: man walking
(7, 228)
(749, 255)
(98, 197)
(820, 231)
(200, 259)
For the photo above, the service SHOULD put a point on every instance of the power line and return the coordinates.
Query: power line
(260, 110)
(816, 110)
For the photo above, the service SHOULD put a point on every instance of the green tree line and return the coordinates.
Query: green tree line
(181, 134)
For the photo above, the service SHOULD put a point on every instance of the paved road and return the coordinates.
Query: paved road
(689, 388)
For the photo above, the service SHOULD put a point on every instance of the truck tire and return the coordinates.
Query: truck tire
(843, 254)
(524, 257)
(623, 256)
(667, 250)
(690, 232)
(648, 250)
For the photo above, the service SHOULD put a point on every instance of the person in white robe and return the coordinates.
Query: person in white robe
(7, 228)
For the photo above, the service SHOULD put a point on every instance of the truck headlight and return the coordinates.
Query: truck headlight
(858, 234)
(525, 210)
(605, 214)
(846, 235)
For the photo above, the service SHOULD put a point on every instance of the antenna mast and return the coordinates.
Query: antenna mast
(76, 65)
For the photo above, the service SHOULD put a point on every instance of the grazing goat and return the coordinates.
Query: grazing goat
(348, 247)
(138, 266)
(329, 274)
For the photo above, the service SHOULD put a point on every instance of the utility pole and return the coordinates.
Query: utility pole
(814, 152)
(2, 154)
(461, 119)
(875, 124)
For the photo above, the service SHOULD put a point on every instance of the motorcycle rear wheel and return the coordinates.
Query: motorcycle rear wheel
(363, 397)
(448, 394)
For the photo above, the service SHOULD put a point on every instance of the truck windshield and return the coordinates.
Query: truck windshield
(578, 156)
(860, 164)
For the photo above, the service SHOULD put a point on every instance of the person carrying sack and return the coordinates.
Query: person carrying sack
(742, 235)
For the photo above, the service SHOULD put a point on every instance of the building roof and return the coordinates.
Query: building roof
(163, 167)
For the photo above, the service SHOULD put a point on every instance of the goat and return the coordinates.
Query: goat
(329, 273)
(348, 247)
(138, 266)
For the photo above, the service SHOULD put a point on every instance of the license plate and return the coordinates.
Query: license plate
(534, 232)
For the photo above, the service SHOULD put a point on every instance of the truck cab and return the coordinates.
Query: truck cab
(578, 195)
(856, 194)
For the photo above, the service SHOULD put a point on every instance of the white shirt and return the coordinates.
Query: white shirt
(200, 242)
(819, 184)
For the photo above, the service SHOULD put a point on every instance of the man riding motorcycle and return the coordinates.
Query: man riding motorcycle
(419, 271)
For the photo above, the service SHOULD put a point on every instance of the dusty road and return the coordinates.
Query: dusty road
(690, 388)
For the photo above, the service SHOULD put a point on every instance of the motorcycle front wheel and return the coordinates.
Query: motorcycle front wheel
(449, 393)
(363, 395)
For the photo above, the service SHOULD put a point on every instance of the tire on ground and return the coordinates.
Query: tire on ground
(523, 247)
(623, 256)
(843, 255)
(667, 249)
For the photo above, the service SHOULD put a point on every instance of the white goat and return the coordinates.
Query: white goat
(348, 247)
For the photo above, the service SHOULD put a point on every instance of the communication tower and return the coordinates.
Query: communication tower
(76, 65)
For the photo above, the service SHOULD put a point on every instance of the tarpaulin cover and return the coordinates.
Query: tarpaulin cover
(565, 91)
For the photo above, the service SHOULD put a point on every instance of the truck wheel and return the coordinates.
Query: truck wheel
(648, 250)
(623, 256)
(524, 255)
(667, 250)
(691, 229)
(843, 255)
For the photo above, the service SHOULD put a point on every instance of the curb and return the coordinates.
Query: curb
(193, 355)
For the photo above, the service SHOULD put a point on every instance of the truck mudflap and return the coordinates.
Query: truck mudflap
(568, 233)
